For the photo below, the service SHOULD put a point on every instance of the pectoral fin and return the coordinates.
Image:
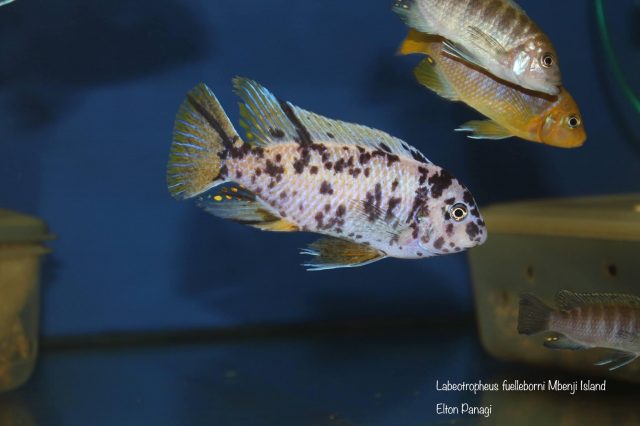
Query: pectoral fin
(332, 253)
(460, 53)
(563, 342)
(617, 359)
(485, 129)
(486, 42)
(240, 205)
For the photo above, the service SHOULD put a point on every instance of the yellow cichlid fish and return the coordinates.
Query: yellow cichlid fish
(586, 320)
(513, 111)
(496, 35)
(372, 195)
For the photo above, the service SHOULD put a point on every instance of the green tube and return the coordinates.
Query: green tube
(611, 56)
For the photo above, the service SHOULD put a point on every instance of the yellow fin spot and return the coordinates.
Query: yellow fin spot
(234, 189)
(217, 198)
(228, 197)
(281, 225)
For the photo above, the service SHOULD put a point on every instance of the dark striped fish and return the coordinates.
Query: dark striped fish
(513, 111)
(496, 35)
(584, 321)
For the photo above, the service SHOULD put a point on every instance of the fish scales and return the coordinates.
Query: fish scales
(371, 195)
(532, 116)
(596, 324)
(504, 20)
(336, 176)
(496, 35)
(586, 320)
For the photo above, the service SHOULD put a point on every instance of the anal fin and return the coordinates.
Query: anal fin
(242, 206)
(332, 253)
(485, 129)
(617, 359)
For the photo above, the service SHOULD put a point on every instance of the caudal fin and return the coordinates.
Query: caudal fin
(534, 315)
(201, 137)
(418, 43)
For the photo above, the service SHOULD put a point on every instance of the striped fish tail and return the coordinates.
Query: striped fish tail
(202, 136)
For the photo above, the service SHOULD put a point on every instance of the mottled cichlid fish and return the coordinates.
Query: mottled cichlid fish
(372, 195)
(586, 321)
(513, 111)
(496, 35)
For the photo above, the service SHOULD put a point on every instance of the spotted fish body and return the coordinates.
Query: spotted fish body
(496, 35)
(584, 321)
(513, 111)
(372, 195)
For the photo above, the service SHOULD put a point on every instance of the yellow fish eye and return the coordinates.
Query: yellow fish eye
(547, 60)
(573, 121)
(458, 212)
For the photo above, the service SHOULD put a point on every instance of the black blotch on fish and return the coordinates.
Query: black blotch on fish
(273, 170)
(438, 243)
(419, 202)
(449, 231)
(417, 155)
(393, 203)
(472, 230)
(424, 173)
(355, 172)
(326, 188)
(276, 133)
(364, 158)
(378, 194)
(440, 182)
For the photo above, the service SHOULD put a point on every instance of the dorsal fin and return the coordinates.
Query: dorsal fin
(568, 300)
(262, 115)
(268, 120)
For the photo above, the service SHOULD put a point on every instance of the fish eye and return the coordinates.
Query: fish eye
(573, 121)
(459, 212)
(547, 60)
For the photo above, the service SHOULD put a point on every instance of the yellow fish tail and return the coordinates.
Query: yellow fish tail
(417, 43)
(201, 137)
